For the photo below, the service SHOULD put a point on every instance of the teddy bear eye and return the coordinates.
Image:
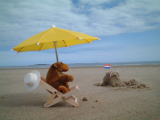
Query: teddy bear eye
(54, 66)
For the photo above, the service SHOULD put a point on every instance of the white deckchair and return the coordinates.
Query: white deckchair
(33, 79)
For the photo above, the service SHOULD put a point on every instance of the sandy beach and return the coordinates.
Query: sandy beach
(16, 103)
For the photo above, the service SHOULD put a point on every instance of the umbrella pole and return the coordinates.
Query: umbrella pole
(55, 45)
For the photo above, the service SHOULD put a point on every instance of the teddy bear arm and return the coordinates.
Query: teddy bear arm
(65, 78)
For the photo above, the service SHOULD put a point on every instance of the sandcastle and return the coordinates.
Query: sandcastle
(113, 81)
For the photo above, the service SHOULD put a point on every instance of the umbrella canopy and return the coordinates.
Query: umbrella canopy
(54, 38)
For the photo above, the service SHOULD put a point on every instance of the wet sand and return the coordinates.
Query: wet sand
(103, 102)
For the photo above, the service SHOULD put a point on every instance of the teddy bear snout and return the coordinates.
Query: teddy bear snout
(65, 68)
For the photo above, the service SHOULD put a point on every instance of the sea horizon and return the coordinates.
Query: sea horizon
(86, 64)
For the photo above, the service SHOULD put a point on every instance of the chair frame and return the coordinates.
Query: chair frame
(58, 96)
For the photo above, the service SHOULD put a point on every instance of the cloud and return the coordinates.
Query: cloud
(23, 19)
(20, 20)
(129, 16)
(94, 2)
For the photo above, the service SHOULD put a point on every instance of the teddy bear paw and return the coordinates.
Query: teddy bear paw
(71, 78)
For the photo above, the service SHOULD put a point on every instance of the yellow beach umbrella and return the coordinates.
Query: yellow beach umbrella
(54, 38)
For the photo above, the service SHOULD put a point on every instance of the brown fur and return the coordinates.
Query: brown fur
(57, 79)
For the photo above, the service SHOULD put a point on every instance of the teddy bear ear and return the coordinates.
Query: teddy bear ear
(54, 66)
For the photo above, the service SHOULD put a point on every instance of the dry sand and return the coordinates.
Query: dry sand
(104, 103)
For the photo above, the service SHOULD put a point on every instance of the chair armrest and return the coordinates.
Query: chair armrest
(74, 87)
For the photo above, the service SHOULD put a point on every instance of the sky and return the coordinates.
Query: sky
(129, 30)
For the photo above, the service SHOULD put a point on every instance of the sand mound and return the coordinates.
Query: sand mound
(135, 84)
(84, 99)
(115, 81)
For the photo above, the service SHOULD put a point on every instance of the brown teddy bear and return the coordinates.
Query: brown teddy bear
(57, 79)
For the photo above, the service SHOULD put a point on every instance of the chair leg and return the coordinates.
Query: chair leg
(51, 98)
(72, 102)
(56, 100)
(74, 98)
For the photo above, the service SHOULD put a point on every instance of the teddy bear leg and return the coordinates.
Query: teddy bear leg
(62, 89)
